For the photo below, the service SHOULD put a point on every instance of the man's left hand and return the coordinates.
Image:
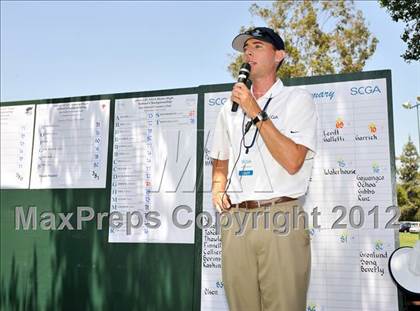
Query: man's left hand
(243, 96)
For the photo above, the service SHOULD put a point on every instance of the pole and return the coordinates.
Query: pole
(418, 125)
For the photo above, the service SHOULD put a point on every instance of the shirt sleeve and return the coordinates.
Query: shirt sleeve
(302, 119)
(220, 144)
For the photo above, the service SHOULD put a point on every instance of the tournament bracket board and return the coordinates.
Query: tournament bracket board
(70, 145)
(57, 145)
(154, 167)
(352, 168)
(17, 123)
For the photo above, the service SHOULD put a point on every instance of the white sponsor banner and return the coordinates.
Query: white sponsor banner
(351, 169)
(212, 292)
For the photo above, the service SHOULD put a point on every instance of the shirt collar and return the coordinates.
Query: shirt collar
(274, 90)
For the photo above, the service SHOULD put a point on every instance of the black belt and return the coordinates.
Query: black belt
(263, 203)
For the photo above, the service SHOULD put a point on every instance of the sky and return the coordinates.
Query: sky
(52, 49)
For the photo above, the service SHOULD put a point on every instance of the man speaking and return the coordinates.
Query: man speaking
(262, 160)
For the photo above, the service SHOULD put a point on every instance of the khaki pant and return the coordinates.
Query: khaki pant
(263, 269)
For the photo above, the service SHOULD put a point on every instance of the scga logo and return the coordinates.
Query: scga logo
(218, 101)
(365, 90)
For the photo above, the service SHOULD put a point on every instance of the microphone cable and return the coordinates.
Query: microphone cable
(237, 159)
(242, 142)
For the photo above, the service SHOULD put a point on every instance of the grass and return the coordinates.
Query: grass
(408, 239)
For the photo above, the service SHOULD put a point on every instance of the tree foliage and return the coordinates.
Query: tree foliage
(408, 189)
(408, 11)
(321, 37)
(409, 163)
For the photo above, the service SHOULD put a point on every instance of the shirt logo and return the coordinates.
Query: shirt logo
(246, 173)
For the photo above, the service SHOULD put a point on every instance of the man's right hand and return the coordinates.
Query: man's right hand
(221, 201)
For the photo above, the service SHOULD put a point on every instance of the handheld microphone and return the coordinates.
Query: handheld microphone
(243, 77)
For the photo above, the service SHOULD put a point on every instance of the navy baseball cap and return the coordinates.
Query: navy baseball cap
(260, 33)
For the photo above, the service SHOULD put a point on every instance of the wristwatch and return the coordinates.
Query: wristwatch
(262, 116)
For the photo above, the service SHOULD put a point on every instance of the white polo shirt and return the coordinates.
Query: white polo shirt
(257, 175)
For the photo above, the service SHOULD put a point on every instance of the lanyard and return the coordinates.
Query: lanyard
(248, 126)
